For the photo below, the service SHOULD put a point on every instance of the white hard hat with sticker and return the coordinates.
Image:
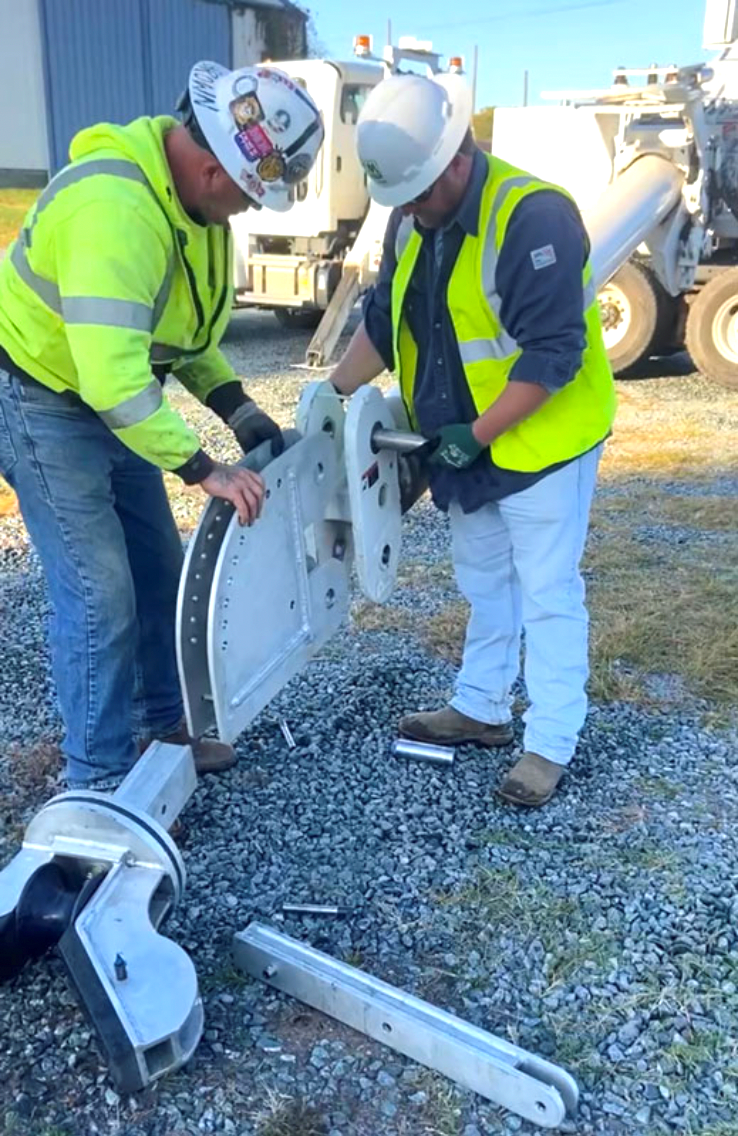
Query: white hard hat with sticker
(409, 129)
(264, 129)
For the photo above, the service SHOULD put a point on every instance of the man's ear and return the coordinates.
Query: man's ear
(211, 172)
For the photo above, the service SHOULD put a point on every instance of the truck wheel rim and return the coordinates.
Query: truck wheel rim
(615, 312)
(725, 329)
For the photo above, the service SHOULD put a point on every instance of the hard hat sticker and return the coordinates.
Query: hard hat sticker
(244, 85)
(271, 168)
(254, 143)
(246, 110)
(373, 169)
(297, 168)
(279, 122)
(252, 183)
(276, 77)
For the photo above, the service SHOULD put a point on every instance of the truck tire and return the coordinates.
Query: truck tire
(300, 319)
(638, 317)
(712, 329)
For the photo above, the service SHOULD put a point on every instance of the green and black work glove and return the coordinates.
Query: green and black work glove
(455, 446)
(252, 426)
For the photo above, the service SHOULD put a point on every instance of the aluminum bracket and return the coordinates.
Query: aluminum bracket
(526, 1085)
(97, 875)
(280, 589)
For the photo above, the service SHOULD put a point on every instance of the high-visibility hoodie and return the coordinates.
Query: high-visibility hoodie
(109, 279)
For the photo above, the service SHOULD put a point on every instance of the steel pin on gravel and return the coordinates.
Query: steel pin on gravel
(423, 751)
(315, 909)
(287, 733)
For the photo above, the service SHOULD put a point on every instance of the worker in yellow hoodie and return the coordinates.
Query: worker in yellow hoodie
(121, 275)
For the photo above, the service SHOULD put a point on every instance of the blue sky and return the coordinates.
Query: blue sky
(562, 43)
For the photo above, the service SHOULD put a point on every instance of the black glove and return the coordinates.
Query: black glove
(251, 425)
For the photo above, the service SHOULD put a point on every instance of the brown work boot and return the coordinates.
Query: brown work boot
(532, 781)
(210, 756)
(451, 727)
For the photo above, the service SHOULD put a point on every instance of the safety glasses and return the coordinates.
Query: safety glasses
(426, 194)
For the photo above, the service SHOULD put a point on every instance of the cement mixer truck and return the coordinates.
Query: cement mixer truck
(652, 161)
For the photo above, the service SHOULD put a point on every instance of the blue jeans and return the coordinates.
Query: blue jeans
(100, 521)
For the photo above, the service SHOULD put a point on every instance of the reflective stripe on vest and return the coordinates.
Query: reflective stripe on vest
(100, 310)
(134, 409)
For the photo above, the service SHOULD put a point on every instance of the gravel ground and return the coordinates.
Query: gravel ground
(600, 932)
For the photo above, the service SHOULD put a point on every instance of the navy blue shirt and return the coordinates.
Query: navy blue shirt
(539, 280)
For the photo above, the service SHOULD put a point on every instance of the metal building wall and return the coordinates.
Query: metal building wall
(112, 60)
(23, 152)
(181, 32)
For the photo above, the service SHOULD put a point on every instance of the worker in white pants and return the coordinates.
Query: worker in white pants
(517, 563)
(485, 308)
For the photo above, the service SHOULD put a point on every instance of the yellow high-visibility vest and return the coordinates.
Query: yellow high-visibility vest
(574, 418)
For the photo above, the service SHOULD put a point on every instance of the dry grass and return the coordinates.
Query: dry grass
(661, 610)
(694, 436)
(664, 618)
(14, 204)
(280, 1115)
(8, 500)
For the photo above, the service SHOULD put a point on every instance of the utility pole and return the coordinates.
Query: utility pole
(389, 33)
(474, 78)
(525, 88)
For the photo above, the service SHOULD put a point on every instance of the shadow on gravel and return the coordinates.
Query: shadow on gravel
(662, 367)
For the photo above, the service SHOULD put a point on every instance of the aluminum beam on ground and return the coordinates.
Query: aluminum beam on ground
(519, 1081)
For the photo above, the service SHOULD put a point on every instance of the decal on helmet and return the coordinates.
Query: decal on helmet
(254, 143)
(253, 184)
(246, 110)
(279, 122)
(297, 168)
(373, 169)
(272, 167)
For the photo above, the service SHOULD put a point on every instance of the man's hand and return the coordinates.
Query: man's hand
(455, 446)
(242, 487)
(251, 425)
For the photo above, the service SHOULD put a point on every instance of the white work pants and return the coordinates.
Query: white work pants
(517, 563)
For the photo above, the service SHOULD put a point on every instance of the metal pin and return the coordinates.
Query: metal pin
(315, 909)
(120, 967)
(287, 732)
(423, 751)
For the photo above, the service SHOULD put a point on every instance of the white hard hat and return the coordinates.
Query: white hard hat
(409, 129)
(264, 129)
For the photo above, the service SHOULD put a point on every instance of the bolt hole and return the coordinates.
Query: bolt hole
(330, 597)
(383, 494)
(268, 494)
(377, 426)
(329, 427)
(319, 471)
(386, 554)
(279, 483)
(386, 1027)
(292, 605)
(540, 1106)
